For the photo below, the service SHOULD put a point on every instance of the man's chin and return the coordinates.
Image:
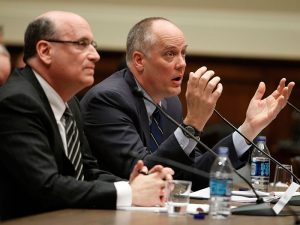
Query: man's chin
(174, 92)
(89, 81)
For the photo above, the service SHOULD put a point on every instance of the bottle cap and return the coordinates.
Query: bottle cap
(199, 216)
(261, 138)
(223, 151)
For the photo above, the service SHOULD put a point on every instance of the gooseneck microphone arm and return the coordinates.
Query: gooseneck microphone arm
(255, 146)
(294, 107)
(140, 94)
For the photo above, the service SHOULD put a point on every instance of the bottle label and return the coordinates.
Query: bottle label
(260, 168)
(220, 187)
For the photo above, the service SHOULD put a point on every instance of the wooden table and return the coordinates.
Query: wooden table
(118, 217)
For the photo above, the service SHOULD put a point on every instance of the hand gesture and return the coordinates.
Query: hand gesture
(203, 92)
(262, 111)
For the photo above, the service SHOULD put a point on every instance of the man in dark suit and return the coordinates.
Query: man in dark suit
(45, 160)
(117, 119)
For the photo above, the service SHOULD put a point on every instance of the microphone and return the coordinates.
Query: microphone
(138, 92)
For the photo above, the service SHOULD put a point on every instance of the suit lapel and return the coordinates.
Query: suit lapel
(28, 74)
(140, 108)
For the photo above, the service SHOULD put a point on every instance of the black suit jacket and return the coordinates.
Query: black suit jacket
(116, 121)
(35, 174)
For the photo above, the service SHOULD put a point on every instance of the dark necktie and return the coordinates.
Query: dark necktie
(73, 144)
(156, 133)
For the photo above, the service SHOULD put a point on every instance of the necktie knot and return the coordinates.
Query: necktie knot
(67, 113)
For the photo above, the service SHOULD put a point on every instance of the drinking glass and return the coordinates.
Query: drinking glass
(178, 197)
(282, 178)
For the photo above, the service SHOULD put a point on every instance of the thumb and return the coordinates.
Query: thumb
(136, 170)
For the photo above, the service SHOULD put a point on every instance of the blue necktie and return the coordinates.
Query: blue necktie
(156, 133)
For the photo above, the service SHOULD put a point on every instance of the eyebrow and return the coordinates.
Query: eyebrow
(174, 46)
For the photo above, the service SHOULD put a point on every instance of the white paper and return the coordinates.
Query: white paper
(250, 193)
(205, 193)
(145, 209)
(285, 197)
(202, 193)
(191, 209)
(240, 196)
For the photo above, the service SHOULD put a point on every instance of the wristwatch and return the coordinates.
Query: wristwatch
(192, 130)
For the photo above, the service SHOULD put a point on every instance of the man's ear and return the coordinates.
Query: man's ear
(43, 49)
(138, 60)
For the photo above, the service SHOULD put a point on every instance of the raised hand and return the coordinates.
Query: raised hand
(203, 92)
(262, 111)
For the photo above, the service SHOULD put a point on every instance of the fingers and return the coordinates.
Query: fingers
(144, 170)
(260, 91)
(204, 80)
(290, 87)
(139, 166)
(281, 85)
(283, 92)
(148, 190)
(164, 173)
(156, 168)
(217, 93)
(194, 77)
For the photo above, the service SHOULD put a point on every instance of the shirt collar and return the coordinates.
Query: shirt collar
(58, 106)
(150, 108)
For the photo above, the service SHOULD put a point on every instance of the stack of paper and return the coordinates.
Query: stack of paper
(240, 196)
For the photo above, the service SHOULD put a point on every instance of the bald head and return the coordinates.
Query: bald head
(143, 35)
(49, 26)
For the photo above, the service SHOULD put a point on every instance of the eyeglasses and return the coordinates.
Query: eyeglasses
(82, 44)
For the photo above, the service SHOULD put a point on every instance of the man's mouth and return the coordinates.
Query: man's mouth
(177, 78)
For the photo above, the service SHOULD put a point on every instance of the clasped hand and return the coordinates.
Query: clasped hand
(151, 189)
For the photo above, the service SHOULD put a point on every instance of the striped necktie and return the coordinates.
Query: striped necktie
(73, 144)
(156, 131)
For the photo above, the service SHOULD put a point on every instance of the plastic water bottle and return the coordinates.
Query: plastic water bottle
(260, 166)
(221, 176)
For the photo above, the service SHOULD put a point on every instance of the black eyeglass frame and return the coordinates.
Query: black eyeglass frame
(80, 43)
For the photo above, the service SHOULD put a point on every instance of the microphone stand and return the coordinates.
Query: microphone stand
(264, 210)
(294, 107)
(254, 145)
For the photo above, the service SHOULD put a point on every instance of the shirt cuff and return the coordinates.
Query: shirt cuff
(240, 144)
(187, 144)
(124, 193)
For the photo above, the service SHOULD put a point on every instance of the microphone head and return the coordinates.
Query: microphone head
(138, 92)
